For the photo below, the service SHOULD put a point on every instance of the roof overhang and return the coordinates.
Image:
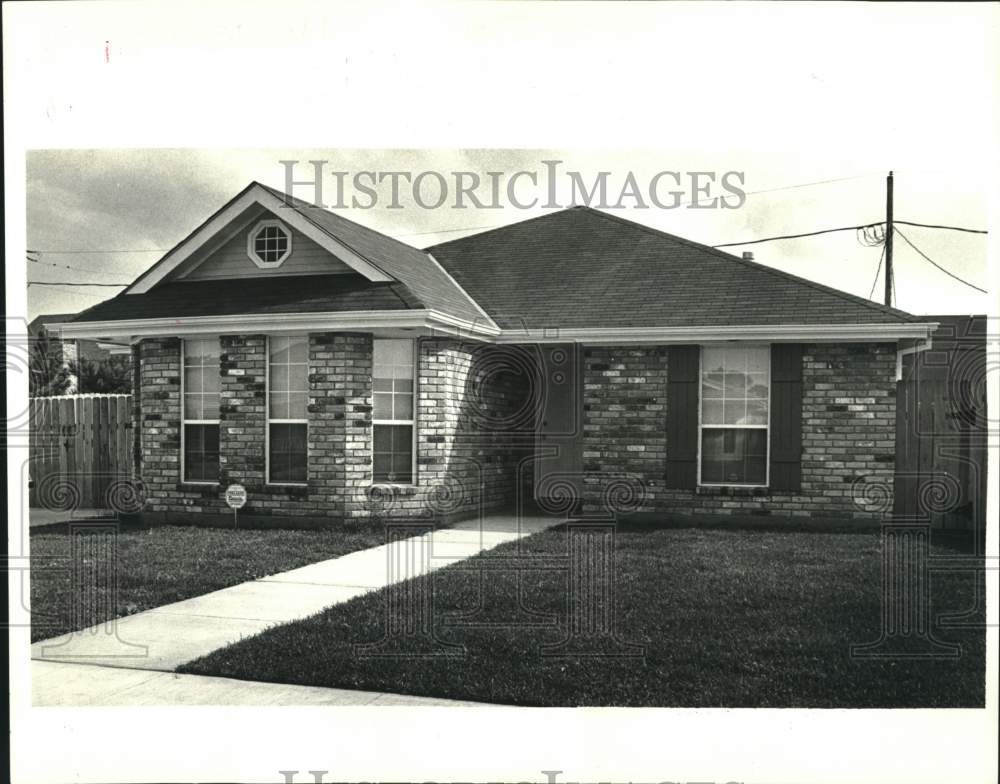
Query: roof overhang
(255, 194)
(437, 322)
(782, 333)
(283, 323)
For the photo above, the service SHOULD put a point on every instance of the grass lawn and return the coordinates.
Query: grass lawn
(728, 618)
(165, 564)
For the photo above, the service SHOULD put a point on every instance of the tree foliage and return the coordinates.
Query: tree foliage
(48, 374)
(111, 375)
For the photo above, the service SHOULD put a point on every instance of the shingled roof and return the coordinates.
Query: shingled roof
(585, 268)
(255, 296)
(410, 266)
(577, 268)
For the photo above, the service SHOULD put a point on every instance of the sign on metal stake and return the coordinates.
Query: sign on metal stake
(236, 497)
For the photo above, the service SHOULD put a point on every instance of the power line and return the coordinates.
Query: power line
(796, 236)
(878, 269)
(862, 228)
(69, 267)
(80, 293)
(75, 283)
(68, 252)
(479, 228)
(448, 231)
(929, 259)
(680, 203)
(938, 226)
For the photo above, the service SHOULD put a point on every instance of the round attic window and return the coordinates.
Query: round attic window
(269, 244)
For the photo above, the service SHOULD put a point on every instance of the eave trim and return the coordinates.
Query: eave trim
(276, 323)
(786, 333)
(438, 321)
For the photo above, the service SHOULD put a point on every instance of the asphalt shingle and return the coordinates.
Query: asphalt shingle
(410, 266)
(584, 268)
(294, 294)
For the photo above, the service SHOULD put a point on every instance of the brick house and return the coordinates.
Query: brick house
(578, 361)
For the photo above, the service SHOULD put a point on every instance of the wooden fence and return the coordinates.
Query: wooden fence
(80, 452)
(941, 430)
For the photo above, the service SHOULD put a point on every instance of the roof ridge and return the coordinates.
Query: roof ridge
(506, 226)
(854, 299)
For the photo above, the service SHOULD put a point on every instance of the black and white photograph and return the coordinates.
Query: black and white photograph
(616, 380)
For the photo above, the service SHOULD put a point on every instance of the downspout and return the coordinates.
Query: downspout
(922, 346)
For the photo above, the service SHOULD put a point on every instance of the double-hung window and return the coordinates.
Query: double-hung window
(735, 395)
(287, 398)
(200, 393)
(392, 416)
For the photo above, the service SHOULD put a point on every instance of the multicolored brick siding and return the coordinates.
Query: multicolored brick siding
(474, 427)
(848, 433)
(475, 432)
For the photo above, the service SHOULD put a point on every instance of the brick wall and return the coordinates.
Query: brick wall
(473, 428)
(475, 425)
(159, 420)
(848, 427)
(340, 414)
(242, 432)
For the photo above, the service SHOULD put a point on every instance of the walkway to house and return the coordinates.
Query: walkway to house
(165, 637)
(85, 685)
(38, 517)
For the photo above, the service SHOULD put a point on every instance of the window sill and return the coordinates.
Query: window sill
(733, 490)
(194, 483)
(396, 488)
(294, 490)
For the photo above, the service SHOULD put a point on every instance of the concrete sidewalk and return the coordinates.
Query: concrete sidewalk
(166, 637)
(41, 517)
(61, 684)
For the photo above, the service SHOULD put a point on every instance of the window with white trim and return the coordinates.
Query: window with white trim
(392, 415)
(287, 399)
(269, 243)
(735, 396)
(200, 394)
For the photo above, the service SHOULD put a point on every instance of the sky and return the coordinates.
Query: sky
(135, 134)
(109, 214)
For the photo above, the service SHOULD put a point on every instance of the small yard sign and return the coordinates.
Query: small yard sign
(236, 497)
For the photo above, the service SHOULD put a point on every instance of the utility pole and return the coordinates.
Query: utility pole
(888, 239)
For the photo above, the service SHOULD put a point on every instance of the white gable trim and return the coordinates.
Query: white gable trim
(219, 241)
(256, 194)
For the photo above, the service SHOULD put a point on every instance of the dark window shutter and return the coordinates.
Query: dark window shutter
(786, 416)
(683, 363)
